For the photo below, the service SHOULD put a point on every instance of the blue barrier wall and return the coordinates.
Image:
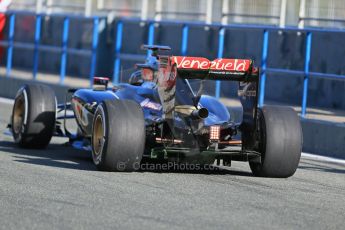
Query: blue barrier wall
(302, 67)
(57, 44)
(299, 63)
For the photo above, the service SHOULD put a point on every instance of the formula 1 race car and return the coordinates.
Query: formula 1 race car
(163, 114)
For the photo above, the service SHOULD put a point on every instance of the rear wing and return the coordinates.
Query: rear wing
(218, 69)
(174, 70)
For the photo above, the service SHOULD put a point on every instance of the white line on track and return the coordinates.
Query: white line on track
(6, 101)
(304, 155)
(323, 158)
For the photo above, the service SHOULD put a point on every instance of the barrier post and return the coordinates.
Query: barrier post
(118, 45)
(151, 36)
(301, 14)
(144, 9)
(306, 73)
(64, 50)
(158, 10)
(263, 68)
(221, 35)
(88, 8)
(37, 42)
(95, 35)
(10, 45)
(225, 12)
(282, 18)
(209, 11)
(184, 40)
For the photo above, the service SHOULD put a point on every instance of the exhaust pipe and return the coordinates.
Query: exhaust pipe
(199, 113)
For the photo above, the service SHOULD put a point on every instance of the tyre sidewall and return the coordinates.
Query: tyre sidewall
(280, 142)
(40, 119)
(100, 111)
(124, 136)
(18, 136)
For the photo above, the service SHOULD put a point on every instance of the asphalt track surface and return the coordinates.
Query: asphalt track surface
(59, 188)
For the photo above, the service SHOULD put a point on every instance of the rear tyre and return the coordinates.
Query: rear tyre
(33, 116)
(118, 136)
(280, 135)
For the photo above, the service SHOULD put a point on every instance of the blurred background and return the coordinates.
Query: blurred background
(299, 44)
(325, 13)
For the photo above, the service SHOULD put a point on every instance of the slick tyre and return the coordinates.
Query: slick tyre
(118, 136)
(33, 116)
(280, 135)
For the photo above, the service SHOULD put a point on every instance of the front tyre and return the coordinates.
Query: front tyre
(33, 116)
(280, 136)
(118, 136)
